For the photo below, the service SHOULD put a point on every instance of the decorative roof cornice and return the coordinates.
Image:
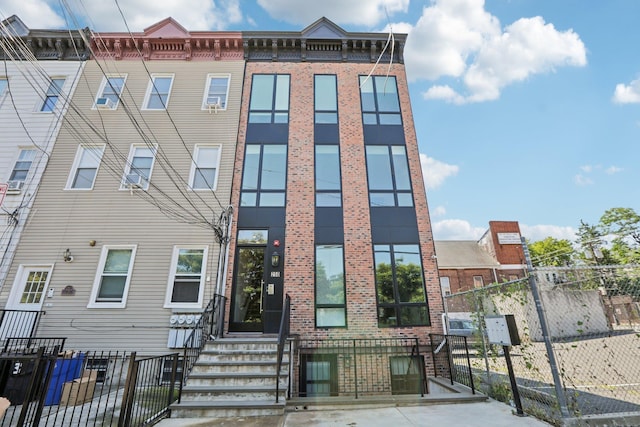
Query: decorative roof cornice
(42, 44)
(322, 41)
(168, 39)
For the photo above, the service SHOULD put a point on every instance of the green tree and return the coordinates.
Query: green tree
(621, 222)
(591, 242)
(551, 252)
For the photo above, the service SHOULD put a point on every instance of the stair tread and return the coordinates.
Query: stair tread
(229, 404)
(247, 388)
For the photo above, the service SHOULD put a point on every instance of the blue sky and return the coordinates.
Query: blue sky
(525, 110)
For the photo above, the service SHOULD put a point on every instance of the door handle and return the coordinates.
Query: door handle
(261, 292)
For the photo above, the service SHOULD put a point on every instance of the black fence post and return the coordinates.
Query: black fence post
(129, 392)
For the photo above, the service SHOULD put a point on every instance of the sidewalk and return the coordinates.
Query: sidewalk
(481, 414)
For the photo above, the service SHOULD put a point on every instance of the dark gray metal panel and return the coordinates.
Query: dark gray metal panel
(255, 217)
(326, 134)
(384, 134)
(394, 225)
(265, 133)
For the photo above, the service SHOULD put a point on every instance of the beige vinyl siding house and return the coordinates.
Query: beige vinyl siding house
(27, 132)
(133, 191)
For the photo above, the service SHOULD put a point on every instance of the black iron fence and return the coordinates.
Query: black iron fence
(451, 360)
(52, 345)
(358, 367)
(90, 388)
(208, 327)
(18, 323)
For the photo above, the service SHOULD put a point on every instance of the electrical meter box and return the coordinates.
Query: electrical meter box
(502, 330)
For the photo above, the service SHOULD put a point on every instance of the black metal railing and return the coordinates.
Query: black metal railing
(359, 367)
(451, 359)
(19, 323)
(209, 326)
(88, 388)
(28, 345)
(150, 389)
(283, 335)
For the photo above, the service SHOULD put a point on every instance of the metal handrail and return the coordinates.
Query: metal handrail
(283, 334)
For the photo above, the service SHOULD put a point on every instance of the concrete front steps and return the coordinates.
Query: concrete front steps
(234, 377)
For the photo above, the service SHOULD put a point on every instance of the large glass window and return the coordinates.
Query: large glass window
(402, 300)
(328, 185)
(331, 308)
(204, 170)
(269, 99)
(157, 97)
(186, 282)
(380, 103)
(216, 92)
(51, 97)
(388, 176)
(109, 93)
(326, 99)
(85, 167)
(264, 175)
(21, 168)
(111, 284)
(139, 166)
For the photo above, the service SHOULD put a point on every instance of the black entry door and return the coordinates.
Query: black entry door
(248, 290)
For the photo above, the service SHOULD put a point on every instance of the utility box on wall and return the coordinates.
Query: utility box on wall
(502, 330)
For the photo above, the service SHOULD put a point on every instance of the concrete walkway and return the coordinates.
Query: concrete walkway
(488, 413)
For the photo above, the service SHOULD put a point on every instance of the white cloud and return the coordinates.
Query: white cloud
(586, 168)
(456, 229)
(582, 180)
(36, 14)
(358, 12)
(627, 94)
(611, 170)
(540, 232)
(139, 14)
(458, 38)
(437, 211)
(435, 172)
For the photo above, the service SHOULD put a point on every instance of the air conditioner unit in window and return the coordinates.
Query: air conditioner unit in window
(15, 185)
(104, 103)
(133, 180)
(214, 103)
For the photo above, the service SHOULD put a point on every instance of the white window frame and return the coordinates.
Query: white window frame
(150, 87)
(48, 94)
(194, 166)
(17, 159)
(445, 285)
(478, 281)
(103, 86)
(76, 165)
(172, 277)
(98, 278)
(225, 102)
(127, 169)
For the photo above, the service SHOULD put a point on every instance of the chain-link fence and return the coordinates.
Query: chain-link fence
(579, 360)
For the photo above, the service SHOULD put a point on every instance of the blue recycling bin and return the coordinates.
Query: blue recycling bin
(65, 370)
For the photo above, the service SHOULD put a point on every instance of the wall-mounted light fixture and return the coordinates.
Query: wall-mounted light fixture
(275, 259)
(67, 256)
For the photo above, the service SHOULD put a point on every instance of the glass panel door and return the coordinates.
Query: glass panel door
(248, 288)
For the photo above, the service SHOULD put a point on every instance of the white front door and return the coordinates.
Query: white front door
(25, 301)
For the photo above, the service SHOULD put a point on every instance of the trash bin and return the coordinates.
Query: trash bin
(66, 369)
(18, 373)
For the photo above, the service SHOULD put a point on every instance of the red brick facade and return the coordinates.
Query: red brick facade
(299, 253)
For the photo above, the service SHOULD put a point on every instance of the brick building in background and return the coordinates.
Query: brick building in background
(496, 257)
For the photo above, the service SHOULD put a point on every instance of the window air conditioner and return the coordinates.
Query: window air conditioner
(214, 103)
(104, 103)
(133, 180)
(15, 185)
